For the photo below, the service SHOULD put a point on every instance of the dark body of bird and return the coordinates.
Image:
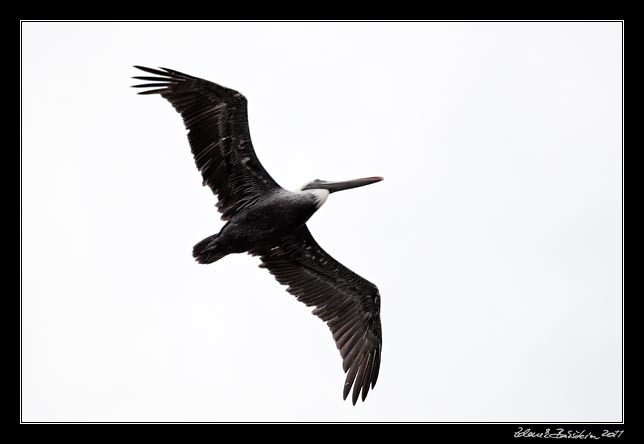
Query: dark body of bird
(259, 227)
(268, 221)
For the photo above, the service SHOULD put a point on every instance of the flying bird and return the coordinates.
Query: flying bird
(266, 220)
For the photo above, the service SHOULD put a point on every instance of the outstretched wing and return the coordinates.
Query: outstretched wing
(348, 303)
(217, 121)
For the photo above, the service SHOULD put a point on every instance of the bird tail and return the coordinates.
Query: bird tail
(208, 250)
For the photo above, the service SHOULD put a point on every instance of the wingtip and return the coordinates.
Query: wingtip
(151, 70)
(345, 393)
(153, 91)
(365, 390)
(142, 68)
(355, 396)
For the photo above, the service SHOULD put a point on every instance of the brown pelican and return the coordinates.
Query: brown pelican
(265, 220)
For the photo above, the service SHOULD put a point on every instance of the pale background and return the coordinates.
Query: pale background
(495, 238)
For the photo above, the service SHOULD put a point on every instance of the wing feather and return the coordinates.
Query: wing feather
(216, 118)
(348, 303)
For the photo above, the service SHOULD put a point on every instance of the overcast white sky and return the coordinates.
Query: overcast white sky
(495, 238)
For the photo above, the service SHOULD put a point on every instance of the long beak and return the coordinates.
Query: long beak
(348, 184)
